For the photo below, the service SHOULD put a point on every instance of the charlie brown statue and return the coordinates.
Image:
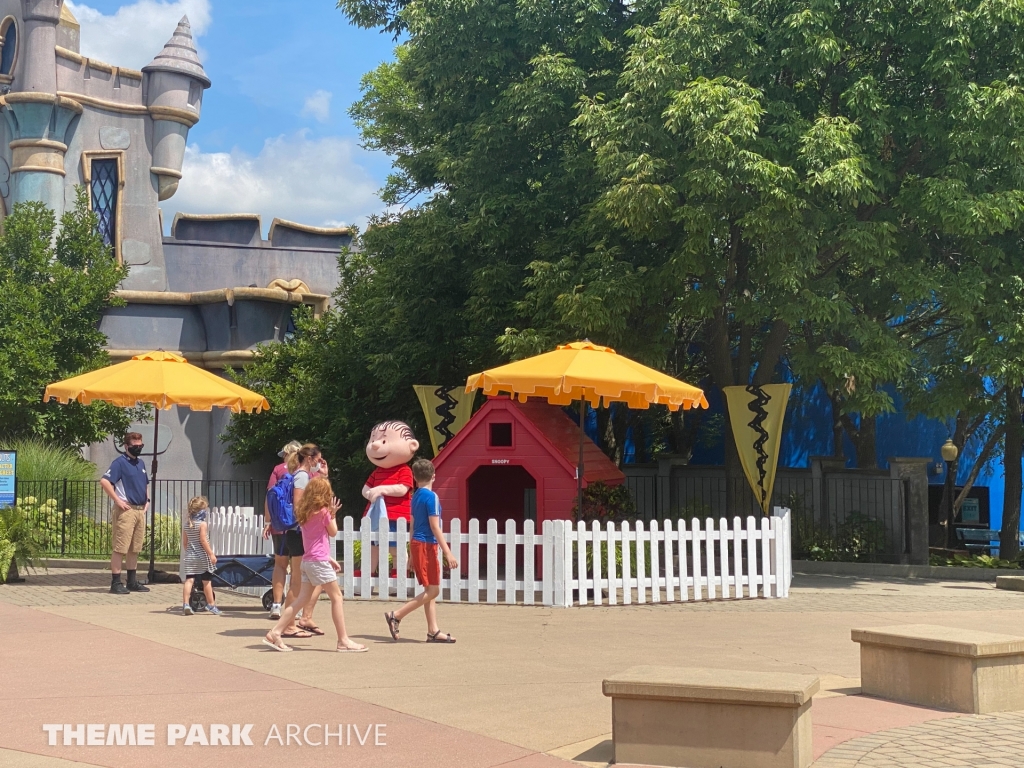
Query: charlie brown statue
(388, 490)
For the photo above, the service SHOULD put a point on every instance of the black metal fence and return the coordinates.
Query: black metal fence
(857, 518)
(73, 517)
(851, 518)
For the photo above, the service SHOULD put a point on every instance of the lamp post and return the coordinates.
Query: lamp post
(949, 454)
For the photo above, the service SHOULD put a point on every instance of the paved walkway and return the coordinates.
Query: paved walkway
(974, 741)
(522, 684)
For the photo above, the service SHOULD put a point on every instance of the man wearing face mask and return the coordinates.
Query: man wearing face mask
(127, 485)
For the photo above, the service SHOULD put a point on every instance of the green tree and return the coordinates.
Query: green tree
(994, 338)
(55, 282)
(399, 319)
(810, 178)
(476, 112)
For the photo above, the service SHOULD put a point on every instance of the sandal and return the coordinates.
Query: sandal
(268, 639)
(357, 649)
(302, 633)
(392, 624)
(314, 629)
(437, 638)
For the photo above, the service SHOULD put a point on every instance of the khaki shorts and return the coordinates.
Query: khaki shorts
(318, 572)
(129, 530)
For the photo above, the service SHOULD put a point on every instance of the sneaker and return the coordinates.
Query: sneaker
(117, 588)
(214, 610)
(275, 611)
(186, 610)
(135, 586)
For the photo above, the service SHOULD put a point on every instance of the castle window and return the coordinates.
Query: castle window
(9, 41)
(103, 189)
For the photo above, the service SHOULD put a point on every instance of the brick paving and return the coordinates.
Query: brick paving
(81, 586)
(719, 627)
(971, 741)
(89, 586)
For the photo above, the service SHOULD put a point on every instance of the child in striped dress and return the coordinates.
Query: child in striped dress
(197, 555)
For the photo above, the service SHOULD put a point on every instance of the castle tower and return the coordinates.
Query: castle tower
(39, 120)
(175, 81)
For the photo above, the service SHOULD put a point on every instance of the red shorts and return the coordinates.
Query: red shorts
(425, 564)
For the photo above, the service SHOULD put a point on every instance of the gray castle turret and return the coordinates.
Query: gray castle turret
(214, 289)
(176, 81)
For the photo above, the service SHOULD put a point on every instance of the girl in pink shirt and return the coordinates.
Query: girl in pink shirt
(315, 513)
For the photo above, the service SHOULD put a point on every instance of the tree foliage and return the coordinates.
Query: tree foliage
(710, 188)
(55, 282)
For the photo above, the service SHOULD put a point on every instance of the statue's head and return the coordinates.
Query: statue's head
(391, 443)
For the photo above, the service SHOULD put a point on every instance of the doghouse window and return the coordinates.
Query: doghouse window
(501, 435)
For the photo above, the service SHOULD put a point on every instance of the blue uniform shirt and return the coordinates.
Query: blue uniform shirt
(425, 505)
(128, 476)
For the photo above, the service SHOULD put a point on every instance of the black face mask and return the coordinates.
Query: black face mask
(134, 450)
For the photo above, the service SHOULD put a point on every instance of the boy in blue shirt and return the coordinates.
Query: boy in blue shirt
(426, 538)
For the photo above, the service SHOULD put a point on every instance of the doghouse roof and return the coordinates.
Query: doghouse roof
(552, 428)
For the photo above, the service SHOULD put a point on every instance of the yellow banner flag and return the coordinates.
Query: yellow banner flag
(756, 415)
(446, 409)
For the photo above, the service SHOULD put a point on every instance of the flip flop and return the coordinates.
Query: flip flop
(282, 647)
(302, 633)
(315, 630)
(392, 624)
(364, 649)
(438, 638)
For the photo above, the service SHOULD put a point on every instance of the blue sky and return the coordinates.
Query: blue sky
(275, 137)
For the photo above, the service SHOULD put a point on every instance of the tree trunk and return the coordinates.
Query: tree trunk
(867, 453)
(837, 425)
(736, 489)
(604, 437)
(1009, 542)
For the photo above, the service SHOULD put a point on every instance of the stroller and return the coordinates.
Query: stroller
(234, 572)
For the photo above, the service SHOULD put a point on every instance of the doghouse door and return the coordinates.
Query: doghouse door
(501, 493)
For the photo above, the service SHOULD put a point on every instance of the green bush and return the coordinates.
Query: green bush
(39, 461)
(973, 561)
(618, 558)
(605, 503)
(693, 509)
(168, 536)
(19, 537)
(859, 538)
(43, 469)
(82, 535)
(357, 555)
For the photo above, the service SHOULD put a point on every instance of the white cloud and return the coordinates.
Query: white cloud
(135, 33)
(311, 181)
(318, 105)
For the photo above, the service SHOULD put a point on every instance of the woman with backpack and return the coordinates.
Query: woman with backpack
(303, 465)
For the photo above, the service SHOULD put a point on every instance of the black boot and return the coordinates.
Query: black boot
(116, 587)
(133, 583)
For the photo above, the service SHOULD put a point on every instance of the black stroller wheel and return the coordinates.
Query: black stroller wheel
(197, 599)
(268, 600)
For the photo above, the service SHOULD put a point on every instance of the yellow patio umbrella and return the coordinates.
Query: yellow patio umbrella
(581, 371)
(160, 379)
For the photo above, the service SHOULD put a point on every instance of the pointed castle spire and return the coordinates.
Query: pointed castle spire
(180, 55)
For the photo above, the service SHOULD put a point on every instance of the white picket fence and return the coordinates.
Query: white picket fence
(672, 561)
(563, 564)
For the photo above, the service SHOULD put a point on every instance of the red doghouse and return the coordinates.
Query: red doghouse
(517, 461)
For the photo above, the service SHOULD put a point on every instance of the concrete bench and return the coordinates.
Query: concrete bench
(961, 670)
(711, 718)
(1013, 583)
